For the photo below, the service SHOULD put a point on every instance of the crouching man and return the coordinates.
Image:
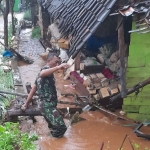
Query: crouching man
(45, 86)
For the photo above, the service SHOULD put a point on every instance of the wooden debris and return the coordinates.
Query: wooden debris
(97, 85)
(97, 97)
(104, 92)
(113, 91)
(92, 92)
(119, 87)
(93, 76)
(81, 66)
(105, 83)
(87, 82)
(100, 75)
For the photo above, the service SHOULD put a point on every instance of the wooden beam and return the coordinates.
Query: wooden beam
(34, 111)
(77, 61)
(122, 49)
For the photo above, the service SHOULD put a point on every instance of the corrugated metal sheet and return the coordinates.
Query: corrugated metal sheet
(78, 18)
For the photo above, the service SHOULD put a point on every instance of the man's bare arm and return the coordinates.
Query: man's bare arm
(49, 71)
(29, 98)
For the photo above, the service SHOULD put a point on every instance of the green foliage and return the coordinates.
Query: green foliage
(6, 83)
(12, 138)
(36, 33)
(136, 146)
(27, 15)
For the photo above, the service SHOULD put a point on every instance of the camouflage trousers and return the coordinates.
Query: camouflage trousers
(53, 117)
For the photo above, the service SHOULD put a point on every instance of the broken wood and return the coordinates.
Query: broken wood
(108, 112)
(123, 142)
(113, 91)
(104, 92)
(14, 93)
(101, 148)
(69, 103)
(135, 88)
(122, 49)
(34, 111)
(77, 62)
(20, 57)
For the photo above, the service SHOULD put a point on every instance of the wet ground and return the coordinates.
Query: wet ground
(85, 135)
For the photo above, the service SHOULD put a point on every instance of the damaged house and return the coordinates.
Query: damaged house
(95, 37)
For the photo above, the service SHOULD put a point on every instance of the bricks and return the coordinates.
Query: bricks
(105, 83)
(93, 76)
(87, 82)
(130, 108)
(138, 117)
(92, 92)
(97, 97)
(144, 110)
(104, 92)
(113, 91)
(100, 75)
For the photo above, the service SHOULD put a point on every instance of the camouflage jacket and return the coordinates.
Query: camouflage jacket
(46, 87)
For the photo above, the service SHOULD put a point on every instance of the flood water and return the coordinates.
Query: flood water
(89, 134)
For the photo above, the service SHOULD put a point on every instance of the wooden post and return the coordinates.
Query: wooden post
(77, 62)
(122, 49)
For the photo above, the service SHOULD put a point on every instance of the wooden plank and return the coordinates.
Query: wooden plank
(96, 96)
(92, 92)
(138, 117)
(81, 66)
(77, 61)
(93, 76)
(144, 110)
(80, 88)
(36, 112)
(105, 83)
(122, 52)
(104, 92)
(100, 75)
(119, 87)
(130, 108)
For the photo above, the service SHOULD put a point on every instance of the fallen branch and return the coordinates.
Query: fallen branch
(14, 93)
(34, 111)
(135, 88)
(20, 57)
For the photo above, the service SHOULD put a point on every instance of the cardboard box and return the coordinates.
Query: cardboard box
(64, 44)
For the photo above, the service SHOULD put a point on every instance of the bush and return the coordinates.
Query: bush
(12, 138)
(36, 33)
(27, 15)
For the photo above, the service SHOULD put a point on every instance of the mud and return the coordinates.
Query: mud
(84, 135)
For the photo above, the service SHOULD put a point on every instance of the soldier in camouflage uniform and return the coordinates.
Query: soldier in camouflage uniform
(45, 86)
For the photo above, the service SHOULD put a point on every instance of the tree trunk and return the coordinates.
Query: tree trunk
(33, 12)
(12, 14)
(5, 16)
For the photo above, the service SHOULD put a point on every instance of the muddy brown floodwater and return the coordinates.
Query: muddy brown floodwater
(89, 134)
(84, 135)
